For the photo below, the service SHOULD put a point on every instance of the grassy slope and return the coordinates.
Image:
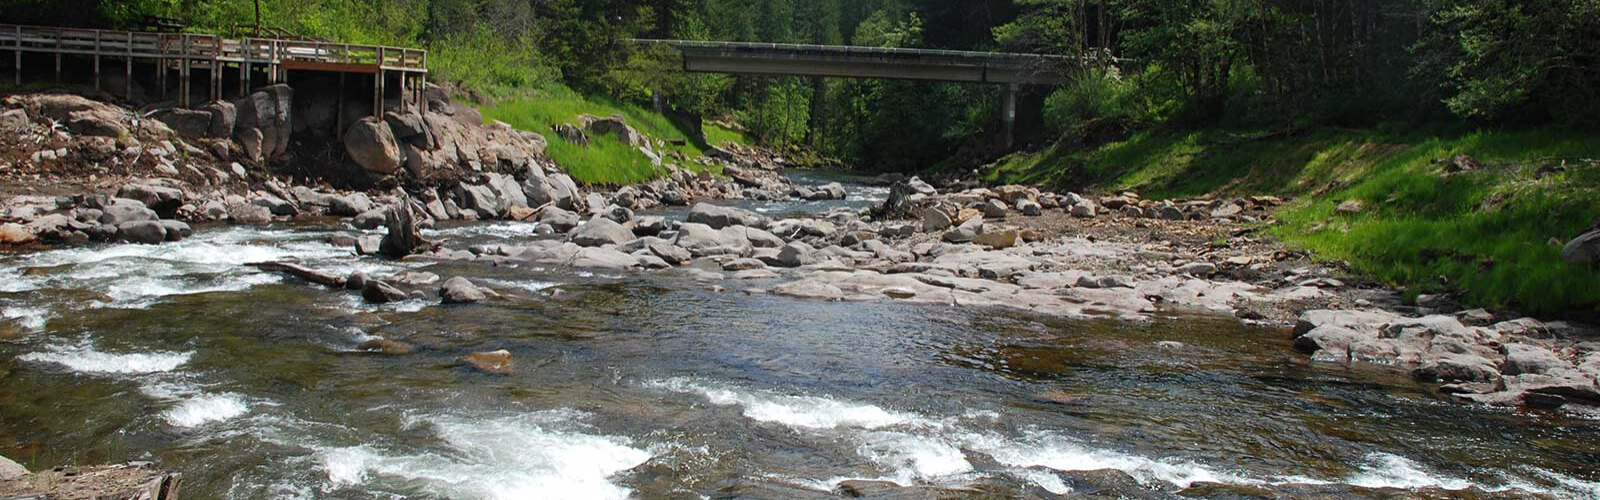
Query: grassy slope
(1486, 231)
(606, 160)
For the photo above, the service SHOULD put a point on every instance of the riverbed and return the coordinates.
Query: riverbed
(656, 385)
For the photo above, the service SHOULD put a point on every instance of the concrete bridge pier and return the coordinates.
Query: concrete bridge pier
(1008, 115)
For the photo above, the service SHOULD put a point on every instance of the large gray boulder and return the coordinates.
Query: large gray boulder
(123, 210)
(159, 195)
(719, 217)
(559, 219)
(265, 117)
(459, 290)
(372, 145)
(1585, 249)
(702, 240)
(148, 232)
(600, 231)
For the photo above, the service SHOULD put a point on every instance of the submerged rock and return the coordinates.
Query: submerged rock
(495, 362)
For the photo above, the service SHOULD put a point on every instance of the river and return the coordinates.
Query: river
(656, 386)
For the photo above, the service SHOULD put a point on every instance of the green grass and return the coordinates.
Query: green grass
(717, 135)
(1486, 233)
(606, 160)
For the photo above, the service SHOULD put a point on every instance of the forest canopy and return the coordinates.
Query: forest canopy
(1236, 63)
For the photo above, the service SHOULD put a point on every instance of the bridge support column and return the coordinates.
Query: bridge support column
(1008, 115)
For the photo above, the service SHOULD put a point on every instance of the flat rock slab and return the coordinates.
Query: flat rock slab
(133, 481)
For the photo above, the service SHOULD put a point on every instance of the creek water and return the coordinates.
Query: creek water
(649, 385)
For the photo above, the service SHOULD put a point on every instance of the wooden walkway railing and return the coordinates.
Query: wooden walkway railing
(185, 51)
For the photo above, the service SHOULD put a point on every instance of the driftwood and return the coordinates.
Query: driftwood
(132, 481)
(302, 272)
(404, 237)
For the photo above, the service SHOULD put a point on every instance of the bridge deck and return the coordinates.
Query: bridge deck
(209, 49)
(873, 62)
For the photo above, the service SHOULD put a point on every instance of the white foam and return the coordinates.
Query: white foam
(1385, 470)
(84, 358)
(206, 409)
(498, 229)
(810, 412)
(913, 456)
(31, 318)
(501, 458)
(1054, 451)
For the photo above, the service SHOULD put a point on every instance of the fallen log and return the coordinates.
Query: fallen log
(302, 272)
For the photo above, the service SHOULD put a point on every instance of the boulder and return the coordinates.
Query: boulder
(966, 231)
(719, 217)
(998, 240)
(16, 234)
(702, 240)
(81, 115)
(11, 470)
(380, 292)
(1084, 210)
(559, 219)
(1029, 207)
(224, 115)
(1585, 249)
(935, 219)
(348, 206)
(809, 289)
(176, 230)
(1349, 207)
(601, 231)
(371, 219)
(795, 254)
(459, 290)
(1531, 359)
(669, 253)
(122, 210)
(372, 145)
(994, 209)
(248, 213)
(267, 112)
(148, 232)
(156, 195)
(495, 362)
(190, 123)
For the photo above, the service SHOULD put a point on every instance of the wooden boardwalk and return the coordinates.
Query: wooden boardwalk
(186, 53)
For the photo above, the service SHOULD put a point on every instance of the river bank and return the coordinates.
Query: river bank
(514, 287)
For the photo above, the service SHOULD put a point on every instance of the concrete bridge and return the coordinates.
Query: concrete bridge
(1008, 69)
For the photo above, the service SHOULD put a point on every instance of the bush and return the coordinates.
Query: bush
(1095, 95)
(517, 64)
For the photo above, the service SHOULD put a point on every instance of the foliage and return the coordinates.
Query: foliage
(605, 160)
(1503, 56)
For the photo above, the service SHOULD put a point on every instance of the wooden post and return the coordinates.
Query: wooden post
(422, 90)
(272, 63)
(128, 69)
(184, 70)
(97, 59)
(245, 47)
(58, 55)
(404, 97)
(378, 104)
(19, 56)
(377, 94)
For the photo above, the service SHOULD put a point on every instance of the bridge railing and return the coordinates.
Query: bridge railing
(109, 43)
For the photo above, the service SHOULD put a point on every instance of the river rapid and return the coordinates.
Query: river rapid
(657, 386)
